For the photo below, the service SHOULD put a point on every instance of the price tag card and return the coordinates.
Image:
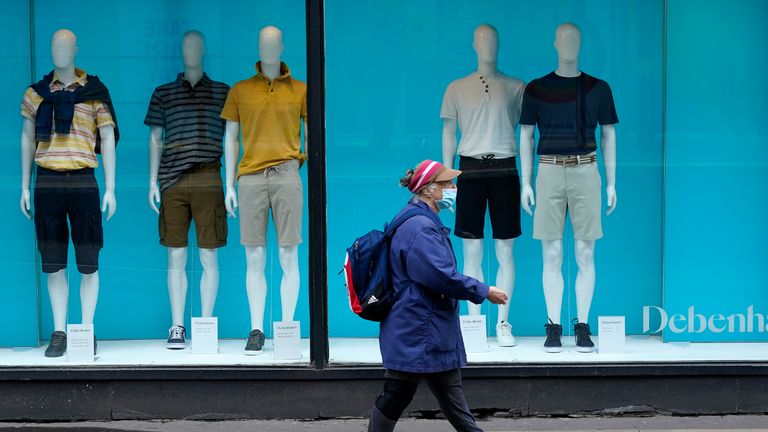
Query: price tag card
(80, 343)
(611, 334)
(205, 335)
(474, 333)
(287, 340)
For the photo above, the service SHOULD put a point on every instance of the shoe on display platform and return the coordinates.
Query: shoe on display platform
(255, 343)
(504, 336)
(584, 343)
(176, 338)
(554, 333)
(58, 344)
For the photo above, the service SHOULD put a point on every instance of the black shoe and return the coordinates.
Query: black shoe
(176, 338)
(583, 341)
(58, 344)
(255, 343)
(554, 332)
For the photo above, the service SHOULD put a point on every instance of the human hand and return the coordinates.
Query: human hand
(497, 296)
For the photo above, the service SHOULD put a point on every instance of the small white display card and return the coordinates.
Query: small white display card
(287, 340)
(612, 334)
(205, 335)
(474, 333)
(80, 343)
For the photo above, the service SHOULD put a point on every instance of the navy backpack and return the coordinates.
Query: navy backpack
(366, 269)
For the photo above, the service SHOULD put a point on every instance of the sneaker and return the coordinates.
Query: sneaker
(176, 338)
(504, 335)
(58, 344)
(554, 332)
(584, 343)
(255, 343)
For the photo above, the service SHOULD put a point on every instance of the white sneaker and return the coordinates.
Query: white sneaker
(504, 335)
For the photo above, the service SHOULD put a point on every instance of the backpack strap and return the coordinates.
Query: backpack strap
(389, 230)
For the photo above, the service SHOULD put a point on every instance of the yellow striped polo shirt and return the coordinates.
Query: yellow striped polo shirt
(76, 149)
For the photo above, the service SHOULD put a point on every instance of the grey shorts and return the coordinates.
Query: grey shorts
(277, 188)
(568, 189)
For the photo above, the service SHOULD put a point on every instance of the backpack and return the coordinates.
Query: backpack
(367, 273)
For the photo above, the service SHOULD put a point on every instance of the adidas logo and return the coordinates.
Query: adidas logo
(372, 300)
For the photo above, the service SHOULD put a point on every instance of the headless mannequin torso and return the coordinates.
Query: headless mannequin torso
(64, 50)
(486, 46)
(270, 52)
(193, 51)
(567, 44)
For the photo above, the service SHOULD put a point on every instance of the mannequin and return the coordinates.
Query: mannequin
(164, 115)
(486, 105)
(273, 82)
(567, 44)
(64, 49)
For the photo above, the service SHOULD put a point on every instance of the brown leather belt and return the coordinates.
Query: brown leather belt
(567, 160)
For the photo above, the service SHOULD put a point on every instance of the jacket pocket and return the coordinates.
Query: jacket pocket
(442, 330)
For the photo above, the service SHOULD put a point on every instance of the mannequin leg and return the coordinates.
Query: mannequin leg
(89, 296)
(58, 291)
(209, 283)
(505, 277)
(289, 286)
(177, 283)
(552, 277)
(473, 266)
(256, 284)
(585, 279)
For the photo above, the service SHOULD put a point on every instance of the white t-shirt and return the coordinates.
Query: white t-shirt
(487, 109)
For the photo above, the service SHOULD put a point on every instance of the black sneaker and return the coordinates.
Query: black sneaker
(255, 343)
(583, 341)
(176, 338)
(58, 344)
(554, 332)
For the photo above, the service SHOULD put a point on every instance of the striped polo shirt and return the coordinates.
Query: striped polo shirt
(76, 149)
(193, 128)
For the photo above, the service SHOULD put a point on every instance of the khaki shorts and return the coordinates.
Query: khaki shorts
(278, 188)
(572, 189)
(198, 195)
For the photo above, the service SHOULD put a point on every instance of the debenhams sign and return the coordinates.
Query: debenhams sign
(694, 322)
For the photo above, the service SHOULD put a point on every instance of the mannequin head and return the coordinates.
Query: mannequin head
(193, 48)
(486, 43)
(568, 42)
(270, 45)
(64, 49)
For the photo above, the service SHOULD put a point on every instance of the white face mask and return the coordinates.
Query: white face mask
(449, 199)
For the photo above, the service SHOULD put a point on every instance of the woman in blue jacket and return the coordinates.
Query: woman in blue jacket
(421, 338)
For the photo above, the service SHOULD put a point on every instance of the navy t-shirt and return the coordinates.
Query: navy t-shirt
(567, 111)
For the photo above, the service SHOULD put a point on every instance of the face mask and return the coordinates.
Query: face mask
(449, 199)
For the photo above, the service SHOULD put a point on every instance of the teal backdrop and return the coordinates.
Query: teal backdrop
(689, 229)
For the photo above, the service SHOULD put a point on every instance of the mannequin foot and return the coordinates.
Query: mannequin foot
(554, 333)
(584, 343)
(58, 344)
(504, 335)
(176, 338)
(255, 343)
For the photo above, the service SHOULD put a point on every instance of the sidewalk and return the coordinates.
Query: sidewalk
(635, 424)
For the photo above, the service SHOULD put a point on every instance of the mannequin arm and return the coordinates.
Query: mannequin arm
(608, 145)
(27, 159)
(109, 202)
(231, 155)
(526, 167)
(449, 141)
(156, 146)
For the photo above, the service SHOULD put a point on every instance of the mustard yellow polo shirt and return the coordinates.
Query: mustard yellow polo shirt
(270, 114)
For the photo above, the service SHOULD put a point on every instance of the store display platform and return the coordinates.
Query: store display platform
(349, 351)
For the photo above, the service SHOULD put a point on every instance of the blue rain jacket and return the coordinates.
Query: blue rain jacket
(422, 334)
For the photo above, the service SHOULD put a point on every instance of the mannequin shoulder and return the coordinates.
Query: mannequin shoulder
(218, 85)
(512, 82)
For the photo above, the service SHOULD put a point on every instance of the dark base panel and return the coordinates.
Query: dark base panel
(217, 395)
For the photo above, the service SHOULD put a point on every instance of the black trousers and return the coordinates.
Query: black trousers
(399, 388)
